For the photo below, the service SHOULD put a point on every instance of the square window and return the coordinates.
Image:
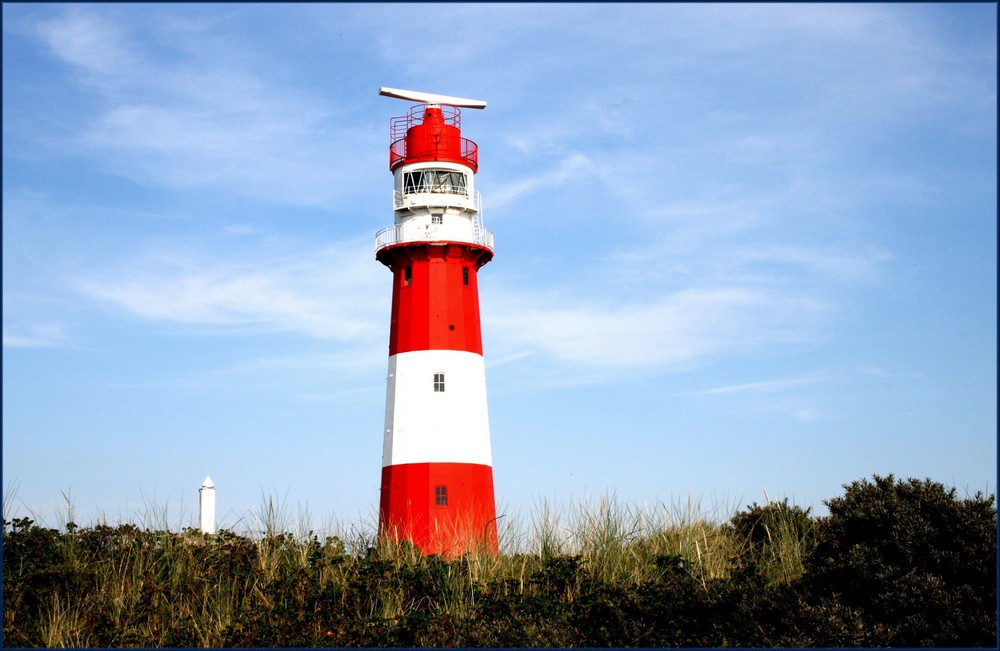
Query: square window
(440, 496)
(437, 219)
(439, 383)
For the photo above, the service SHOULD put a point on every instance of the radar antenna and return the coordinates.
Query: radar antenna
(431, 98)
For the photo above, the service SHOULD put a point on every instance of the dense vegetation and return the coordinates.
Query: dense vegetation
(895, 563)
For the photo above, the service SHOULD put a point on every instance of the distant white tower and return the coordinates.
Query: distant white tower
(206, 500)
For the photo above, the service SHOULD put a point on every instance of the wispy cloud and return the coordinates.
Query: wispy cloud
(766, 385)
(805, 398)
(85, 39)
(326, 293)
(719, 273)
(44, 335)
(262, 147)
(181, 122)
(670, 330)
(823, 264)
(575, 166)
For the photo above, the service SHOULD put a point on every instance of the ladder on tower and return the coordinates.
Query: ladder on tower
(478, 231)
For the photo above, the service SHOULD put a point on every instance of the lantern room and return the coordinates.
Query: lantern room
(430, 132)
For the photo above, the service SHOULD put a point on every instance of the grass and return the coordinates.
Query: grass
(592, 573)
(153, 586)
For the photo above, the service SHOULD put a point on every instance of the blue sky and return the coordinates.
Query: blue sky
(739, 248)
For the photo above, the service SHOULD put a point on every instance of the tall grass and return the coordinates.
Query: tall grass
(902, 564)
(150, 586)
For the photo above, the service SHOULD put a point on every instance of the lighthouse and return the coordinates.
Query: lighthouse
(437, 468)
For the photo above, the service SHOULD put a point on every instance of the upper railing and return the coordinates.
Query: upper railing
(399, 126)
(409, 233)
(469, 152)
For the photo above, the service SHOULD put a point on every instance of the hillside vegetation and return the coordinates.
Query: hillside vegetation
(895, 563)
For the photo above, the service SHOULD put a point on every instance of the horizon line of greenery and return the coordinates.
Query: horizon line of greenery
(895, 563)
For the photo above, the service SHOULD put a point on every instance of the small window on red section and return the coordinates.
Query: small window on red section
(440, 496)
(407, 275)
(465, 275)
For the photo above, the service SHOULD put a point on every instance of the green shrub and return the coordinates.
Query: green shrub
(910, 562)
(679, 609)
(895, 563)
(36, 568)
(775, 539)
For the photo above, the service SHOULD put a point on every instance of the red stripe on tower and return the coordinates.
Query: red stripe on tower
(437, 469)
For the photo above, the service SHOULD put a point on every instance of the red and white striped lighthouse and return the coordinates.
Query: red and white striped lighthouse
(437, 469)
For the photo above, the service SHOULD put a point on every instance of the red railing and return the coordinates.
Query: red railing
(469, 154)
(398, 127)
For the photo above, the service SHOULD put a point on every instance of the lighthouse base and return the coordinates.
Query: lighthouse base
(442, 508)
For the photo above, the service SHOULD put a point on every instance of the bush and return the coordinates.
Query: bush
(895, 563)
(776, 539)
(37, 569)
(913, 563)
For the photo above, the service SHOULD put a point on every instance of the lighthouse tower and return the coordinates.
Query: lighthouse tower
(437, 472)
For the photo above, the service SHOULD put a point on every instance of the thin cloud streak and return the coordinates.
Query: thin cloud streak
(576, 167)
(672, 330)
(766, 385)
(84, 39)
(181, 124)
(306, 294)
(34, 336)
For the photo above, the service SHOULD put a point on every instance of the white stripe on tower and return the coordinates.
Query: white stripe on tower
(459, 432)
